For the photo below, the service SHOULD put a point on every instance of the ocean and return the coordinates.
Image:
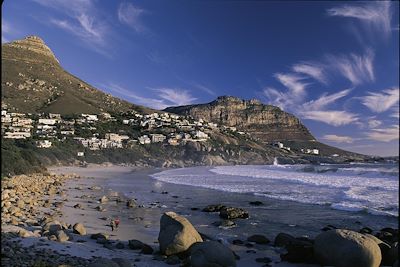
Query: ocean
(372, 188)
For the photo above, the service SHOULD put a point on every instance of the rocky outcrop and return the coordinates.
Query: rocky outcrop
(34, 44)
(177, 234)
(345, 248)
(266, 122)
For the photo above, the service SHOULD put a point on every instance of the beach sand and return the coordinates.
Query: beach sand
(155, 198)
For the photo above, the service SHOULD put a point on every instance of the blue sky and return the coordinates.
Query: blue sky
(335, 65)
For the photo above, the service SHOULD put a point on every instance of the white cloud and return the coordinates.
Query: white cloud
(395, 113)
(331, 117)
(131, 16)
(293, 82)
(280, 99)
(325, 100)
(338, 138)
(293, 96)
(80, 19)
(356, 68)
(384, 135)
(380, 102)
(372, 123)
(175, 96)
(314, 70)
(166, 96)
(374, 14)
(137, 99)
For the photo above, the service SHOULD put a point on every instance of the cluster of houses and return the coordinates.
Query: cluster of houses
(15, 125)
(48, 127)
(161, 128)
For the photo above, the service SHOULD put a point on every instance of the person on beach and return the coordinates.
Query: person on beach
(113, 225)
(116, 222)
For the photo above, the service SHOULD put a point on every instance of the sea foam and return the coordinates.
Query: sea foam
(369, 188)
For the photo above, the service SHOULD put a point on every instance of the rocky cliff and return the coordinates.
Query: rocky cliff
(266, 122)
(34, 81)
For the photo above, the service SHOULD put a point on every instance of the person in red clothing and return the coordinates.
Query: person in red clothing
(116, 222)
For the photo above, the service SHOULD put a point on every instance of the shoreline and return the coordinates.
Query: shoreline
(153, 198)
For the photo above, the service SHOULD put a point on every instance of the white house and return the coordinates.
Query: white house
(48, 121)
(81, 154)
(315, 151)
(144, 140)
(43, 143)
(157, 138)
(200, 135)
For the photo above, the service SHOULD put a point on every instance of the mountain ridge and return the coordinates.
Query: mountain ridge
(265, 122)
(33, 81)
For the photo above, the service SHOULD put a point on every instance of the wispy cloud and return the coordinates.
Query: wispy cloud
(384, 135)
(175, 96)
(374, 14)
(373, 123)
(332, 117)
(325, 100)
(130, 15)
(204, 89)
(395, 113)
(338, 138)
(356, 68)
(317, 110)
(312, 69)
(80, 19)
(135, 98)
(166, 97)
(293, 82)
(380, 102)
(294, 94)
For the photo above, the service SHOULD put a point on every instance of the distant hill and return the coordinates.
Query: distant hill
(33, 81)
(265, 122)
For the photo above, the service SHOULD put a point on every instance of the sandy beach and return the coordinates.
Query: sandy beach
(92, 196)
(154, 198)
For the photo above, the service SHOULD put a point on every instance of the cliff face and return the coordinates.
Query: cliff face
(266, 122)
(34, 81)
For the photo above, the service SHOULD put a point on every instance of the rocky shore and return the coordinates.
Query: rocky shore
(35, 234)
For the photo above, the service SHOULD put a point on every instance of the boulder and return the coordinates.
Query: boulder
(79, 229)
(135, 244)
(299, 251)
(25, 233)
(258, 239)
(99, 235)
(283, 239)
(256, 203)
(213, 208)
(146, 249)
(103, 199)
(177, 234)
(212, 254)
(345, 248)
(131, 203)
(52, 227)
(233, 213)
(61, 236)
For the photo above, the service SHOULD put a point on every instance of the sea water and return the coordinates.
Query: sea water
(373, 188)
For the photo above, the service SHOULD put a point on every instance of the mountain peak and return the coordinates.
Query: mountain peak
(35, 44)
